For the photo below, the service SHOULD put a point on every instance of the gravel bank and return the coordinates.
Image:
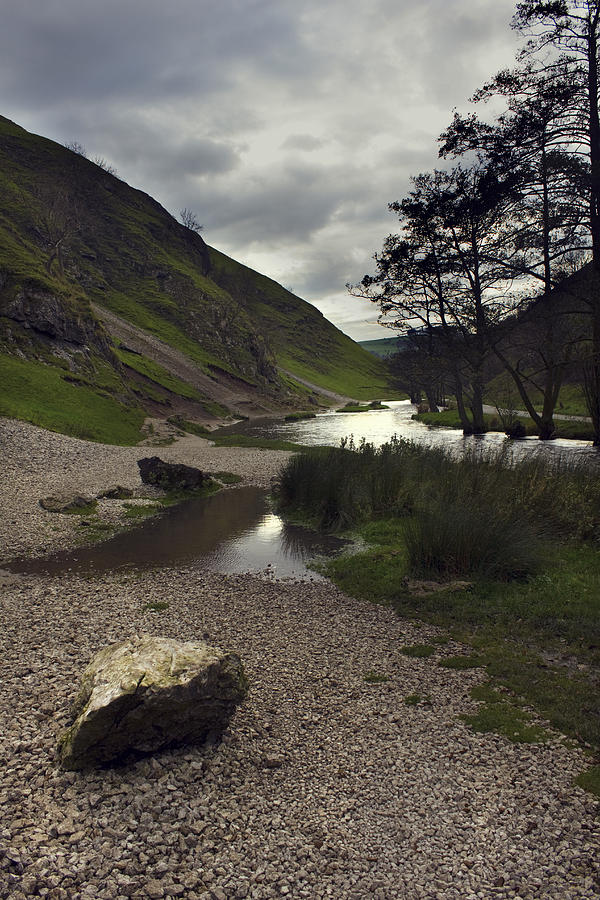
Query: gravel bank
(37, 463)
(325, 786)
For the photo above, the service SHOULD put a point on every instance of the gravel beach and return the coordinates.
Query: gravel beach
(325, 786)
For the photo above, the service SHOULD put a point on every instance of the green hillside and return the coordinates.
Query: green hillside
(303, 340)
(72, 234)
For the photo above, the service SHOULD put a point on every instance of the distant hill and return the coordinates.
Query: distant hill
(111, 310)
(384, 347)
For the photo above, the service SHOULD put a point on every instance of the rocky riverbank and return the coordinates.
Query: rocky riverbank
(38, 463)
(327, 784)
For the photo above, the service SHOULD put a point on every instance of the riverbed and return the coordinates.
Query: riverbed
(328, 785)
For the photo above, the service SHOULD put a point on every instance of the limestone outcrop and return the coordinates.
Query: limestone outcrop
(65, 502)
(170, 476)
(148, 693)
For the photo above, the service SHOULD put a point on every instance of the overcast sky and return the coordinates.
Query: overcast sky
(287, 126)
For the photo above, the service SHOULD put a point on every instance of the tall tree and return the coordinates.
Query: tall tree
(447, 271)
(566, 34)
(547, 219)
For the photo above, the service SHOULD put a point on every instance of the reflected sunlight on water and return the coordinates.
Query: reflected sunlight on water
(233, 531)
(378, 426)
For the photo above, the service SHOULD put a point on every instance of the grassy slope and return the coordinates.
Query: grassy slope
(129, 255)
(383, 347)
(304, 341)
(38, 393)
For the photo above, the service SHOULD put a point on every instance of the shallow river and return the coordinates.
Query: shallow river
(377, 426)
(237, 530)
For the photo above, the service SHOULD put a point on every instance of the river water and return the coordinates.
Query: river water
(377, 426)
(237, 531)
(234, 531)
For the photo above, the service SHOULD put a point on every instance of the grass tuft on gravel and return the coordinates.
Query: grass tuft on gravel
(375, 678)
(590, 780)
(499, 715)
(418, 651)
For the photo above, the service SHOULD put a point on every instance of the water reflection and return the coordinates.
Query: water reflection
(377, 426)
(233, 531)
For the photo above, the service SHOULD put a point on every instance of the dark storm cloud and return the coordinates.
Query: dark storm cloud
(287, 125)
(128, 48)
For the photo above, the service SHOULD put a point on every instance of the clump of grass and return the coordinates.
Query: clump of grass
(590, 780)
(227, 477)
(471, 539)
(375, 678)
(418, 651)
(500, 716)
(417, 700)
(338, 487)
(209, 487)
(462, 662)
(347, 485)
(97, 530)
(140, 511)
(353, 408)
(299, 416)
(155, 606)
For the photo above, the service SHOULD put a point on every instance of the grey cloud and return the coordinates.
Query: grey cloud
(305, 142)
(75, 51)
(287, 125)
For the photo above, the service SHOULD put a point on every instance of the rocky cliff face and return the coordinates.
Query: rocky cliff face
(35, 319)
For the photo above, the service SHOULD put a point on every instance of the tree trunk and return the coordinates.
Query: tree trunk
(460, 406)
(477, 407)
(432, 399)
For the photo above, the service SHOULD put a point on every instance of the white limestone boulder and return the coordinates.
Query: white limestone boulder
(148, 693)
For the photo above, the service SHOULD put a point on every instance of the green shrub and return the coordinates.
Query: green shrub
(418, 651)
(471, 539)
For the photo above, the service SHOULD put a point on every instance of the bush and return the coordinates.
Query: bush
(341, 487)
(472, 539)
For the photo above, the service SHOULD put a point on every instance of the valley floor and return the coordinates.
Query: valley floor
(326, 784)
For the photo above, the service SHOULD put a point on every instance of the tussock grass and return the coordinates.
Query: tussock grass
(526, 535)
(483, 496)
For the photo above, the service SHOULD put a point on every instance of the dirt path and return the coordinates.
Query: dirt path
(522, 413)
